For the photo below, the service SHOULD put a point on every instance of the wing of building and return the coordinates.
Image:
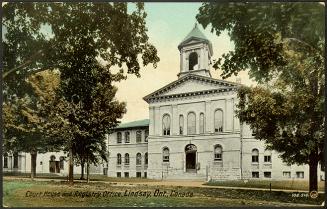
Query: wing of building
(192, 132)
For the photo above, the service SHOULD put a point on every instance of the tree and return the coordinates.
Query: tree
(23, 121)
(77, 32)
(282, 44)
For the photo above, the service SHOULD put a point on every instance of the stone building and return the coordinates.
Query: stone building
(193, 130)
(192, 133)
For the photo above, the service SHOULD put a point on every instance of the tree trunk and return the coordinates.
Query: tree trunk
(88, 170)
(82, 171)
(33, 164)
(313, 177)
(71, 167)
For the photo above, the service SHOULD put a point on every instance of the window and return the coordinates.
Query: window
(267, 159)
(61, 162)
(126, 174)
(166, 125)
(146, 134)
(119, 174)
(267, 156)
(118, 159)
(127, 137)
(138, 136)
(201, 123)
(218, 123)
(181, 125)
(5, 160)
(191, 123)
(300, 174)
(52, 158)
(119, 138)
(255, 174)
(138, 159)
(267, 174)
(255, 156)
(193, 61)
(138, 174)
(126, 159)
(218, 153)
(146, 158)
(145, 175)
(165, 154)
(286, 174)
(16, 160)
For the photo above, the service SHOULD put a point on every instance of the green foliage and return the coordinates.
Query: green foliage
(261, 32)
(70, 38)
(23, 119)
(283, 46)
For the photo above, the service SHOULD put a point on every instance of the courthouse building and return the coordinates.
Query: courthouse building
(192, 133)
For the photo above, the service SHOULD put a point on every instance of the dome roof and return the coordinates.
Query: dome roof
(197, 35)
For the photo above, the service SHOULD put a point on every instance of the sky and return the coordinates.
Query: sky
(168, 24)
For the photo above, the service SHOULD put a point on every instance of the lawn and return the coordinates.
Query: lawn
(56, 194)
(287, 185)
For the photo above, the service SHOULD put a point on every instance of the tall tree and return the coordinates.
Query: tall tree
(282, 44)
(23, 121)
(63, 36)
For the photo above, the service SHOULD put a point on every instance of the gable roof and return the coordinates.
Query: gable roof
(134, 124)
(221, 86)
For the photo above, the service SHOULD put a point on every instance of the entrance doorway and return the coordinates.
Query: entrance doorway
(190, 156)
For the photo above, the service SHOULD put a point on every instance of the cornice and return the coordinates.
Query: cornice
(170, 86)
(194, 94)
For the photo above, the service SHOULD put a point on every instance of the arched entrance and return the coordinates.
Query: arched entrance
(190, 156)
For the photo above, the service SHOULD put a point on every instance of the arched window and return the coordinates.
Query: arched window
(165, 154)
(5, 160)
(166, 125)
(138, 159)
(146, 134)
(181, 124)
(218, 121)
(119, 138)
(138, 136)
(118, 159)
(61, 162)
(193, 60)
(127, 137)
(201, 123)
(267, 156)
(15, 160)
(218, 151)
(255, 156)
(52, 158)
(146, 158)
(126, 159)
(191, 123)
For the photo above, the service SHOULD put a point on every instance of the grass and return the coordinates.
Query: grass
(93, 177)
(287, 185)
(15, 196)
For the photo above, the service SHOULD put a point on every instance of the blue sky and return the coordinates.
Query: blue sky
(168, 24)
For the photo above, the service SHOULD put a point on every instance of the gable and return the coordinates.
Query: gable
(192, 83)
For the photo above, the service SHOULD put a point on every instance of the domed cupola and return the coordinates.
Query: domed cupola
(195, 53)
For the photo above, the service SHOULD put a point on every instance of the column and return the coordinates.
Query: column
(208, 117)
(157, 127)
(175, 120)
(152, 121)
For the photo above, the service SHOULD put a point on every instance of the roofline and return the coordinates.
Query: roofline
(145, 98)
